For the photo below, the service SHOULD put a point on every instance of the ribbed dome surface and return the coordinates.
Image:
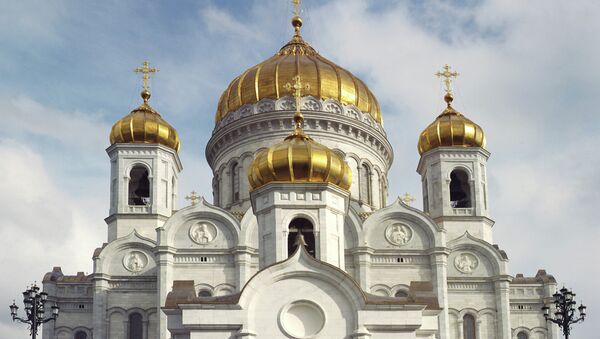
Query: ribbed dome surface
(144, 126)
(451, 129)
(299, 159)
(326, 80)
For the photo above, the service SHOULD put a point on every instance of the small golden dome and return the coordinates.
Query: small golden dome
(326, 80)
(451, 129)
(299, 159)
(144, 126)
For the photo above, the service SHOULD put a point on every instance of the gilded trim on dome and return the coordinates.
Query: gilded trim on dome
(144, 126)
(299, 159)
(451, 129)
(326, 79)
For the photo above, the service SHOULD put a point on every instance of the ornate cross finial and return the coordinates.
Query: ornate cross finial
(296, 7)
(193, 198)
(146, 70)
(447, 75)
(296, 89)
(407, 199)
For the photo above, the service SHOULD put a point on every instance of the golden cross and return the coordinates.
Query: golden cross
(297, 88)
(407, 199)
(193, 198)
(146, 70)
(447, 75)
(296, 7)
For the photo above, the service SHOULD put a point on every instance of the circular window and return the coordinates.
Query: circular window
(302, 319)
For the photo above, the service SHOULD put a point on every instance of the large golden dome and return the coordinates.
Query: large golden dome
(144, 126)
(451, 129)
(326, 80)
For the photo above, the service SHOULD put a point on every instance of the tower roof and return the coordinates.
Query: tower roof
(144, 125)
(297, 57)
(451, 128)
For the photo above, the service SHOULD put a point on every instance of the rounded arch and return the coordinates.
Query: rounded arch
(314, 219)
(136, 163)
(381, 290)
(224, 289)
(520, 330)
(460, 167)
(469, 243)
(202, 211)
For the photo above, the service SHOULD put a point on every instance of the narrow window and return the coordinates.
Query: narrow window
(425, 196)
(469, 327)
(365, 184)
(460, 192)
(139, 186)
(216, 198)
(522, 335)
(135, 326)
(80, 335)
(235, 182)
(305, 227)
(173, 195)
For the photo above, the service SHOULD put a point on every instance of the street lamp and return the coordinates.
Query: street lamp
(564, 314)
(35, 306)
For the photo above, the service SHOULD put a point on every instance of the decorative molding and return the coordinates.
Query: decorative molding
(400, 259)
(470, 286)
(203, 259)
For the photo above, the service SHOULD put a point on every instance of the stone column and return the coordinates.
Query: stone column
(164, 261)
(99, 320)
(439, 266)
(502, 289)
(362, 260)
(243, 260)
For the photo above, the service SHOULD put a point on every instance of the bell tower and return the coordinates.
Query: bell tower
(144, 167)
(300, 188)
(453, 168)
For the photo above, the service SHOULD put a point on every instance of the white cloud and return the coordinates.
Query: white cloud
(42, 225)
(528, 75)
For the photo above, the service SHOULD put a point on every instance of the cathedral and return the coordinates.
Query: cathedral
(299, 239)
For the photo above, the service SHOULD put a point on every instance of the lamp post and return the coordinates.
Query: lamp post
(35, 306)
(564, 314)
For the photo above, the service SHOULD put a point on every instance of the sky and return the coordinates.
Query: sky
(529, 76)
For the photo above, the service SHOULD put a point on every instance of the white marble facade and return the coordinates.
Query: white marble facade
(227, 269)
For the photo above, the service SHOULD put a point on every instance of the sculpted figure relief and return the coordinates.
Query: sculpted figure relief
(203, 233)
(398, 234)
(466, 263)
(135, 261)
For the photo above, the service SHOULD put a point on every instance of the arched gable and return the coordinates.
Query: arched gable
(132, 254)
(302, 266)
(425, 231)
(491, 261)
(178, 226)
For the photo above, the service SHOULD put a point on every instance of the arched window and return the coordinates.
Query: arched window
(401, 294)
(460, 192)
(139, 186)
(522, 335)
(80, 335)
(235, 182)
(204, 294)
(135, 326)
(365, 184)
(469, 327)
(306, 228)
